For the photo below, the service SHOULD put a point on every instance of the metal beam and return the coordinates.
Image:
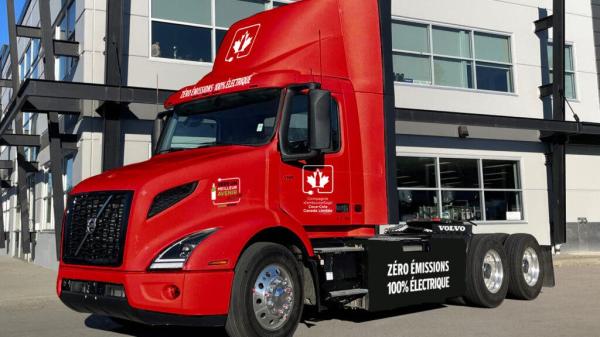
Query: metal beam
(112, 145)
(20, 140)
(5, 83)
(558, 209)
(64, 106)
(78, 91)
(28, 31)
(68, 142)
(6, 165)
(546, 90)
(470, 119)
(66, 48)
(21, 174)
(544, 23)
(26, 165)
(56, 151)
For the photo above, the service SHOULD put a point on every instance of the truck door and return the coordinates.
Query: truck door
(316, 191)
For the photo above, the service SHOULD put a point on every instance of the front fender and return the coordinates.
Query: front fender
(235, 231)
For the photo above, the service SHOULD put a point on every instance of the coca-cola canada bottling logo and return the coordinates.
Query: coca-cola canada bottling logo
(242, 43)
(317, 179)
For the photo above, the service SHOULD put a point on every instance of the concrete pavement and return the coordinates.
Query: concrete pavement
(29, 308)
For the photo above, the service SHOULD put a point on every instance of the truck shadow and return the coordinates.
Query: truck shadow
(310, 318)
(103, 323)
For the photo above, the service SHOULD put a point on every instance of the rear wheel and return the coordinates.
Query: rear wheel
(526, 267)
(487, 272)
(267, 295)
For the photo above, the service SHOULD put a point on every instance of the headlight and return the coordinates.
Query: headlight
(170, 197)
(176, 255)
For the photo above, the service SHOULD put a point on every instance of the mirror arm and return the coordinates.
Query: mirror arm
(288, 158)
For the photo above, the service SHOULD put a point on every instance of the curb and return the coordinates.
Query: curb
(566, 260)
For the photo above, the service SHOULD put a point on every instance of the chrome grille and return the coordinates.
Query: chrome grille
(95, 227)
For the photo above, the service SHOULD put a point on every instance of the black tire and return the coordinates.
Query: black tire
(516, 246)
(241, 320)
(477, 293)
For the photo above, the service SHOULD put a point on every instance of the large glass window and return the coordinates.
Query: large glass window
(502, 186)
(570, 85)
(451, 57)
(203, 21)
(68, 175)
(459, 189)
(66, 31)
(48, 198)
(417, 188)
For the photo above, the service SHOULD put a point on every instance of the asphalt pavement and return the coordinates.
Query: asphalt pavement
(30, 308)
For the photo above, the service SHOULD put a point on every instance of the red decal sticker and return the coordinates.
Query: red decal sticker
(226, 191)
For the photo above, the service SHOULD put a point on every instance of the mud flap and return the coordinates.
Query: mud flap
(549, 280)
(400, 275)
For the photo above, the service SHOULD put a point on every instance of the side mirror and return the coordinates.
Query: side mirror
(320, 119)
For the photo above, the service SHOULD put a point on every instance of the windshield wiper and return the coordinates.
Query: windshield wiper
(177, 149)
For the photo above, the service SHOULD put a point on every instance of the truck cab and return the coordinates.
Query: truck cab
(269, 184)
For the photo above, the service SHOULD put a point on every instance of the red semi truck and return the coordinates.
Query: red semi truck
(272, 182)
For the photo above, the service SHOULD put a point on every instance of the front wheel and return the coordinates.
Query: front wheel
(267, 294)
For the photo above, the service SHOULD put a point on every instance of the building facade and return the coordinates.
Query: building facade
(478, 57)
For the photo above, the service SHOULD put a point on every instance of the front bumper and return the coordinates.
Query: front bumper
(203, 300)
(119, 308)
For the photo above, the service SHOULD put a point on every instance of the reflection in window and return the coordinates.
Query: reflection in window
(48, 197)
(503, 205)
(501, 174)
(205, 22)
(227, 12)
(67, 65)
(190, 11)
(418, 205)
(461, 205)
(459, 173)
(451, 188)
(570, 87)
(430, 54)
(173, 41)
(416, 172)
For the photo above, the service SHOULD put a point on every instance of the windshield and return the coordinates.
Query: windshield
(246, 118)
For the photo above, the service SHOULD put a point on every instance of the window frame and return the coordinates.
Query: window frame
(48, 221)
(473, 61)
(66, 71)
(438, 189)
(568, 44)
(213, 31)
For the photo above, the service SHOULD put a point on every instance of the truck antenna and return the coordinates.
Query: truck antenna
(320, 58)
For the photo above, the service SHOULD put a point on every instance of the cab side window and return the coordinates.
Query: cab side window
(298, 135)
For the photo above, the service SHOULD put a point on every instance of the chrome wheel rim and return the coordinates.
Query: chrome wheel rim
(493, 273)
(273, 297)
(530, 267)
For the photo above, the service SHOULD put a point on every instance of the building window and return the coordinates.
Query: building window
(31, 199)
(48, 199)
(459, 189)
(451, 57)
(570, 85)
(66, 31)
(68, 175)
(203, 21)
